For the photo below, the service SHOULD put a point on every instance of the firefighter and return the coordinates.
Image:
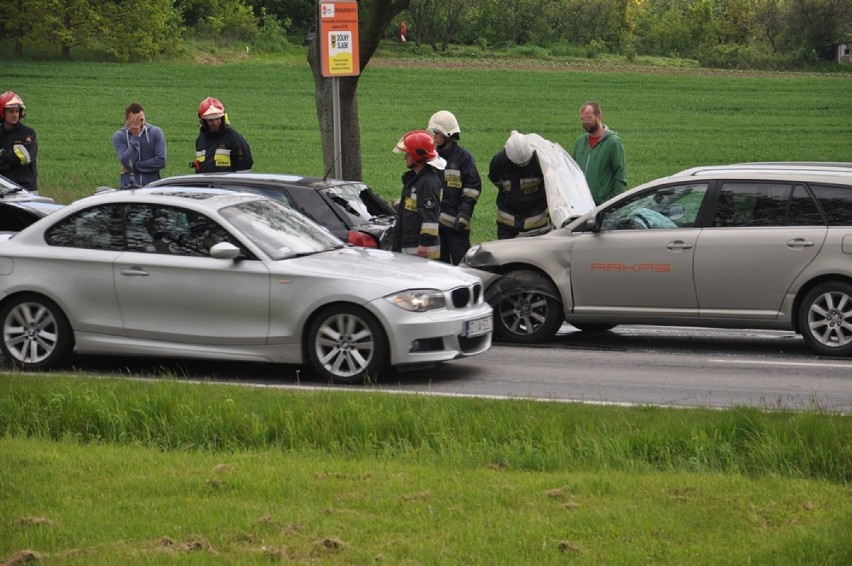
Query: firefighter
(420, 205)
(18, 144)
(219, 148)
(462, 186)
(521, 199)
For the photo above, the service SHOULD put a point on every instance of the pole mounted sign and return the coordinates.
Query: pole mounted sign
(338, 36)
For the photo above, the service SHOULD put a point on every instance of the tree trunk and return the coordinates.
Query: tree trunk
(374, 17)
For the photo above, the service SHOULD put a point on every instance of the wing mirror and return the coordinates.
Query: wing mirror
(593, 223)
(225, 250)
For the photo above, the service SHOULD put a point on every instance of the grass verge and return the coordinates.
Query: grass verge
(97, 471)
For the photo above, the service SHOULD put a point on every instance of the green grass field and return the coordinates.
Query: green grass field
(669, 121)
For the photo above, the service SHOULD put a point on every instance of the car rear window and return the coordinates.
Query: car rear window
(836, 202)
(765, 204)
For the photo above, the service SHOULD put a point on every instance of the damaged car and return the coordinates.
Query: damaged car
(350, 210)
(751, 245)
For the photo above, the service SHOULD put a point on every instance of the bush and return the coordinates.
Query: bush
(567, 50)
(272, 35)
(596, 48)
(725, 57)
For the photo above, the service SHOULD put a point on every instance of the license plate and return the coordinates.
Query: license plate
(478, 327)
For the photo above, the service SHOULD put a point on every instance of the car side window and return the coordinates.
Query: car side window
(836, 202)
(659, 209)
(754, 204)
(95, 228)
(172, 231)
(15, 219)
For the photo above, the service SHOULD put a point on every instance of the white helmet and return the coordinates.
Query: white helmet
(518, 149)
(443, 122)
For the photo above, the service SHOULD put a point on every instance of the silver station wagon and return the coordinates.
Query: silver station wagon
(752, 245)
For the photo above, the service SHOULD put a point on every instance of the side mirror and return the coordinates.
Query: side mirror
(593, 224)
(225, 250)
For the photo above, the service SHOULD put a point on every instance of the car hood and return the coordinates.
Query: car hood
(382, 268)
(533, 250)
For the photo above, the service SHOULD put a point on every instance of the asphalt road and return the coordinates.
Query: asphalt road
(688, 367)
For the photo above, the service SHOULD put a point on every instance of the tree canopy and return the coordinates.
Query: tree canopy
(716, 32)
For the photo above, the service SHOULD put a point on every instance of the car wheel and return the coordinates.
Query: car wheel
(592, 327)
(36, 334)
(825, 319)
(347, 345)
(530, 315)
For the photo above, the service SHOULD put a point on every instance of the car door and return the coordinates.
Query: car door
(640, 261)
(82, 249)
(170, 289)
(763, 235)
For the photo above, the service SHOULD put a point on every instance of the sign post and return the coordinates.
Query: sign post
(338, 37)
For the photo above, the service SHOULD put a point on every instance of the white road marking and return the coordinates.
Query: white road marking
(768, 363)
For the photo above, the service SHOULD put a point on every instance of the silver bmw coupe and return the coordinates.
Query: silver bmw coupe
(203, 273)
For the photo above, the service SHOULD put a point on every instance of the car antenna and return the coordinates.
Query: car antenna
(333, 163)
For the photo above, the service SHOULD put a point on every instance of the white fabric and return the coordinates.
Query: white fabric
(568, 194)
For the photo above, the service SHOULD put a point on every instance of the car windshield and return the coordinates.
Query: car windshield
(358, 202)
(278, 230)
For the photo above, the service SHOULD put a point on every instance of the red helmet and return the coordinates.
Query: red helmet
(11, 100)
(419, 144)
(210, 108)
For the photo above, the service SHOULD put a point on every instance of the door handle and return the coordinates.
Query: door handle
(678, 245)
(135, 272)
(799, 243)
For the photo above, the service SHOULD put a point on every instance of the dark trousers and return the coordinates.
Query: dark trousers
(454, 244)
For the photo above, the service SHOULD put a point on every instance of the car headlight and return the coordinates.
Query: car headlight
(418, 300)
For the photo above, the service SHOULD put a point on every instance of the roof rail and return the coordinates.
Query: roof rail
(810, 167)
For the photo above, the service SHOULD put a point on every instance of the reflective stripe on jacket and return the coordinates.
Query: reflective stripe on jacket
(419, 210)
(462, 186)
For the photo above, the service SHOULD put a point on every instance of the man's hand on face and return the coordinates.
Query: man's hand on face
(135, 123)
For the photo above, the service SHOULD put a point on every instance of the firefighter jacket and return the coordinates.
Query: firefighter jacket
(419, 209)
(222, 151)
(462, 186)
(18, 150)
(521, 199)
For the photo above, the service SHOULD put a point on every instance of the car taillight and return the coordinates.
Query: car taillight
(361, 239)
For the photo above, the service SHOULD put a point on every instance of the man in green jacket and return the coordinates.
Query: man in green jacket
(600, 154)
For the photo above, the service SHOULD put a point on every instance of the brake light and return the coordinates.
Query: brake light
(361, 239)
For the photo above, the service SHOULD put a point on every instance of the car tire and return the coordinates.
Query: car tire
(825, 318)
(530, 316)
(346, 344)
(36, 333)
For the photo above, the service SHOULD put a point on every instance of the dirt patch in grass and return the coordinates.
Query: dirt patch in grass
(23, 557)
(192, 544)
(591, 66)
